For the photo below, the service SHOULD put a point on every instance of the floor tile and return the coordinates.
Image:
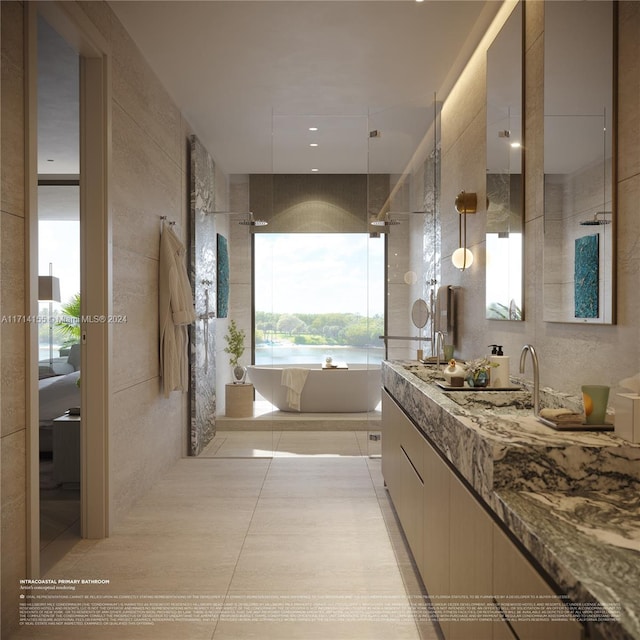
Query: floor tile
(318, 564)
(315, 534)
(317, 630)
(331, 443)
(300, 516)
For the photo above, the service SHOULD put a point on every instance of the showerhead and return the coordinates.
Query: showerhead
(597, 221)
(387, 221)
(252, 222)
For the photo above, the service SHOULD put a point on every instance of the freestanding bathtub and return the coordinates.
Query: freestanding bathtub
(352, 390)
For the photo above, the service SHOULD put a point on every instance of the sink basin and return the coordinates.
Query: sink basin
(426, 372)
(510, 402)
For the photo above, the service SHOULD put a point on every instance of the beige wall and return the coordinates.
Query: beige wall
(570, 354)
(149, 178)
(12, 302)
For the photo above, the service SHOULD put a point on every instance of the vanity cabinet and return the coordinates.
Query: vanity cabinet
(390, 445)
(437, 544)
(516, 581)
(460, 549)
(470, 564)
(405, 468)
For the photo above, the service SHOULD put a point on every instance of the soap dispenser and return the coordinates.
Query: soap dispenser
(500, 368)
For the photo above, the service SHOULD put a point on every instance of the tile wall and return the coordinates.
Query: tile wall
(570, 355)
(12, 302)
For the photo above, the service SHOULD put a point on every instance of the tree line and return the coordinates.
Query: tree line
(319, 328)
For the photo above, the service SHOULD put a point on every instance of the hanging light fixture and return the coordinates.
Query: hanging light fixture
(465, 203)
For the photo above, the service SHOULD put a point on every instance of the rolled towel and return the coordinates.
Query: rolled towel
(294, 379)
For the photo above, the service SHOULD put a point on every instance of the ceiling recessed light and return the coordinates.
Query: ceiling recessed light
(313, 128)
(315, 170)
(313, 144)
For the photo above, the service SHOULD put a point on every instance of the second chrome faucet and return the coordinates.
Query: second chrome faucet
(536, 374)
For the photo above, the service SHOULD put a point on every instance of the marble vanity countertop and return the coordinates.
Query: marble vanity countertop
(572, 499)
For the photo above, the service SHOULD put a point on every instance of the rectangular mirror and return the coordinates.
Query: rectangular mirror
(579, 212)
(505, 224)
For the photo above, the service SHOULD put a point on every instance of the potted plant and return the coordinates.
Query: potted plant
(68, 324)
(235, 348)
(478, 372)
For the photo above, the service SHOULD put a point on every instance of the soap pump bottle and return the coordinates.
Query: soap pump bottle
(499, 373)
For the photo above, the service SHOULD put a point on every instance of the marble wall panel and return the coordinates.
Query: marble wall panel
(240, 271)
(629, 90)
(100, 14)
(12, 132)
(534, 266)
(148, 179)
(629, 255)
(12, 334)
(11, 34)
(13, 540)
(240, 305)
(465, 102)
(139, 92)
(568, 353)
(534, 23)
(185, 188)
(143, 440)
(203, 269)
(135, 295)
(239, 193)
(146, 184)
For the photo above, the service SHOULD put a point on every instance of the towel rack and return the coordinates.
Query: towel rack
(171, 223)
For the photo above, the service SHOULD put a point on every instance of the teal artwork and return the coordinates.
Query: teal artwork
(586, 277)
(223, 277)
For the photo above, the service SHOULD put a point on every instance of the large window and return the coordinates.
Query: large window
(318, 294)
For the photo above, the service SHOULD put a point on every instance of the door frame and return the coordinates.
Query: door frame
(96, 272)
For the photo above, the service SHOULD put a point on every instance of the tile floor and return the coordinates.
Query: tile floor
(281, 444)
(303, 546)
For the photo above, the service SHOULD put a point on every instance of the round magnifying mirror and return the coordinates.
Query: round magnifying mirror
(420, 313)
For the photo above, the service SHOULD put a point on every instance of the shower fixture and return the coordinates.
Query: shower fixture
(386, 221)
(598, 219)
(252, 222)
(249, 220)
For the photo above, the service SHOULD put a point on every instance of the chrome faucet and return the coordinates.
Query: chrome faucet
(536, 374)
(439, 347)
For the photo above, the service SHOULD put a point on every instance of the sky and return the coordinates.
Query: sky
(319, 273)
(295, 273)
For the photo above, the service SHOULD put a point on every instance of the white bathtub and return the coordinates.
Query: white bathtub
(352, 390)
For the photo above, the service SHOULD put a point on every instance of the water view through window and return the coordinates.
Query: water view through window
(318, 295)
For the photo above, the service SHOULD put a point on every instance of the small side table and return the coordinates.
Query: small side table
(66, 449)
(238, 400)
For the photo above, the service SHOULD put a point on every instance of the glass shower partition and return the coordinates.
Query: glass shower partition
(403, 185)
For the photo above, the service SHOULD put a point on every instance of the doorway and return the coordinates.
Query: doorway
(67, 144)
(59, 275)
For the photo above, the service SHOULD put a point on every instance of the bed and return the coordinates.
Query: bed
(56, 395)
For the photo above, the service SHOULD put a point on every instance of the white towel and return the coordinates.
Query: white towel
(294, 378)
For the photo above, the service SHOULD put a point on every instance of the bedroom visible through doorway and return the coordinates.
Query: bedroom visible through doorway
(59, 277)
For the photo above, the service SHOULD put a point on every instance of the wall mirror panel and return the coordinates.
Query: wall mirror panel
(579, 211)
(505, 225)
